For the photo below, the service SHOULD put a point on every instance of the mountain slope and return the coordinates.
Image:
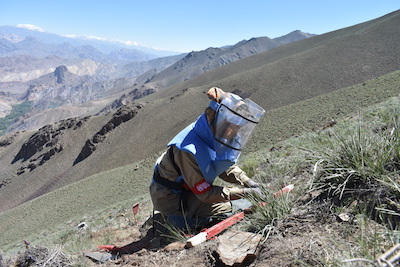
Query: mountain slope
(278, 77)
(103, 74)
(28, 78)
(95, 196)
(313, 66)
(199, 62)
(293, 37)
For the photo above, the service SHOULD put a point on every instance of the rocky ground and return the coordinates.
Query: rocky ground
(311, 235)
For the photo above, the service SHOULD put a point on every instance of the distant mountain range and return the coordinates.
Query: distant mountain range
(20, 39)
(31, 61)
(17, 38)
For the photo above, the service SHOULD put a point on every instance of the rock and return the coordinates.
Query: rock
(345, 217)
(124, 114)
(86, 151)
(174, 246)
(238, 248)
(44, 144)
(5, 141)
(47, 137)
(36, 143)
(59, 73)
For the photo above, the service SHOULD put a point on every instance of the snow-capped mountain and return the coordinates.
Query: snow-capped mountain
(20, 32)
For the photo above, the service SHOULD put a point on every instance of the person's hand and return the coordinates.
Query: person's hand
(255, 191)
(251, 183)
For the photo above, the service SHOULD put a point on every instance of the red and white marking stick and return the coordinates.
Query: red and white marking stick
(211, 232)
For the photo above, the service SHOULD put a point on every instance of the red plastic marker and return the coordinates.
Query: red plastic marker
(211, 232)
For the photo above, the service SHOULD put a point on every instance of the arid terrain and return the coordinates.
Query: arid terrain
(92, 167)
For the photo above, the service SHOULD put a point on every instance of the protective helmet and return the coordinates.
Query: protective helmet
(234, 122)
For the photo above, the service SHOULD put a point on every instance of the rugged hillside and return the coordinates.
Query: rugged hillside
(278, 77)
(28, 55)
(198, 62)
(6, 103)
(102, 79)
(51, 84)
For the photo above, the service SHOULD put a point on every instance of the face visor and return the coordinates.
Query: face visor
(234, 123)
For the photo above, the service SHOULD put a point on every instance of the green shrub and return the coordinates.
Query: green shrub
(355, 156)
(17, 111)
(360, 160)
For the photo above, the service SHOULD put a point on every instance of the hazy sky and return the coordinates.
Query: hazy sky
(189, 25)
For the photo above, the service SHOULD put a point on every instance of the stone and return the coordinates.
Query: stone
(238, 248)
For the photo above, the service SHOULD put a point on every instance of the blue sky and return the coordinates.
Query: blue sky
(191, 25)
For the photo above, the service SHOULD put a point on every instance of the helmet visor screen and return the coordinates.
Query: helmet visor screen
(232, 129)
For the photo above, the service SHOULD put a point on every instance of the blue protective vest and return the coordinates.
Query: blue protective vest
(198, 139)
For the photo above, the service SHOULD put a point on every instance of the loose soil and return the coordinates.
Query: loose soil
(307, 237)
(311, 235)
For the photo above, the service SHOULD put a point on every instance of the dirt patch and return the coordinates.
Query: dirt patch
(194, 257)
(311, 235)
(306, 237)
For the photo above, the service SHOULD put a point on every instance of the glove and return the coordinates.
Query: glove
(255, 191)
(251, 183)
